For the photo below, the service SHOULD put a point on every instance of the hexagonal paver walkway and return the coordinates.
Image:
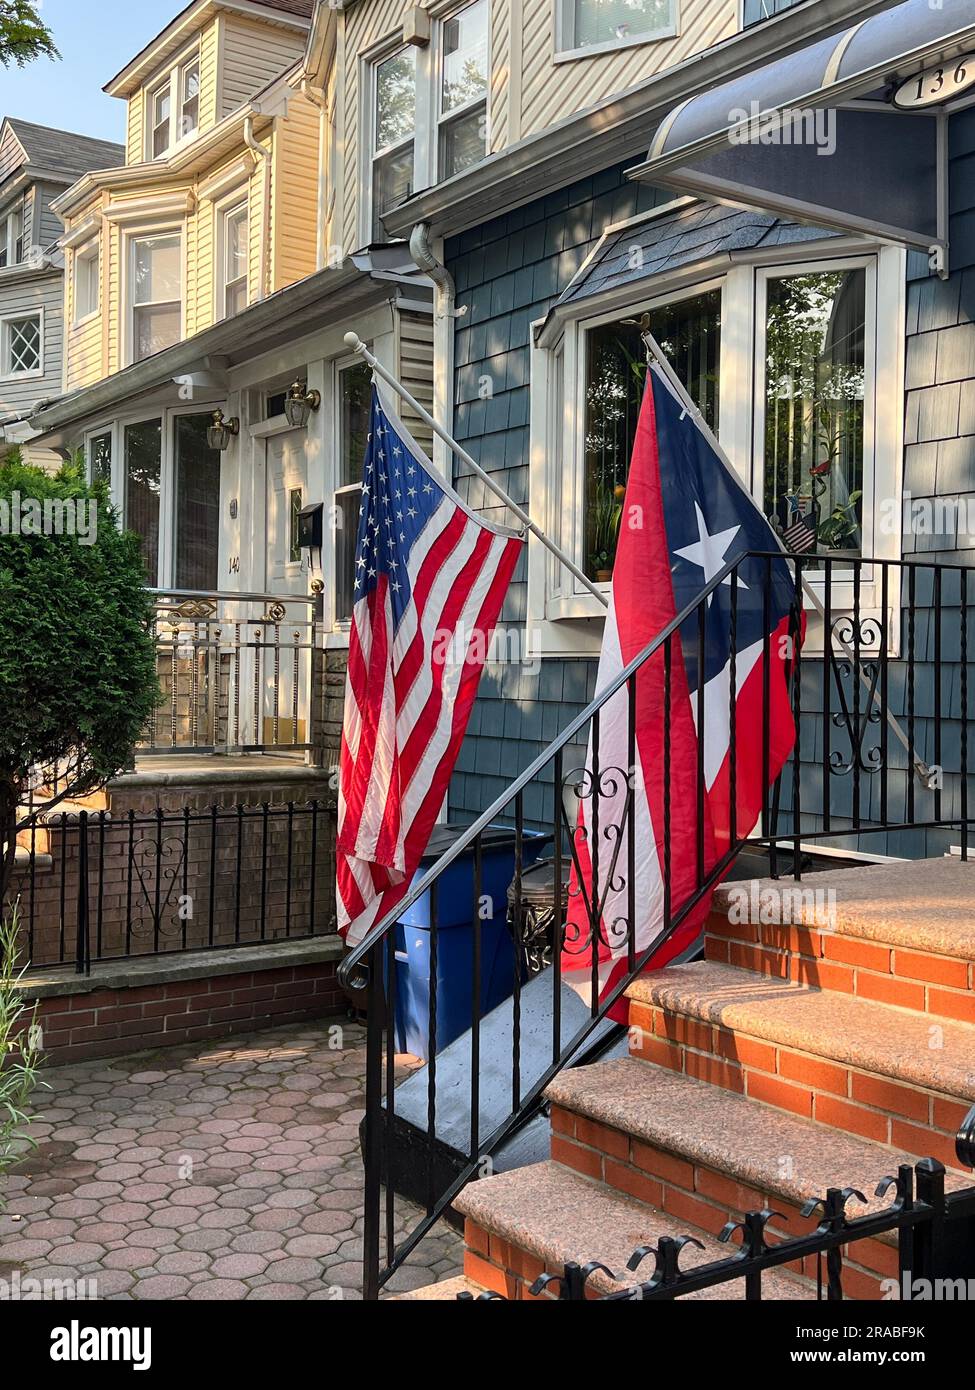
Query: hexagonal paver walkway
(226, 1171)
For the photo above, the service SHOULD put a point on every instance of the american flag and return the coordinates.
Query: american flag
(430, 580)
(800, 534)
(684, 518)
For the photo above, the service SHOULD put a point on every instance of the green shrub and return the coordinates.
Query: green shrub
(77, 664)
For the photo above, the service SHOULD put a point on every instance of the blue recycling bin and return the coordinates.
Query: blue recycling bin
(455, 939)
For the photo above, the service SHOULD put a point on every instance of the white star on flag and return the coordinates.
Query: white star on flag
(709, 553)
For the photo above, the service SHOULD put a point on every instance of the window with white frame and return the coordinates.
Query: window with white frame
(354, 397)
(799, 413)
(86, 281)
(462, 114)
(21, 349)
(12, 236)
(233, 259)
(155, 293)
(587, 26)
(100, 454)
(429, 117)
(755, 11)
(173, 107)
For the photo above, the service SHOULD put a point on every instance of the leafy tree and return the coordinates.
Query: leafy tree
(77, 664)
(22, 35)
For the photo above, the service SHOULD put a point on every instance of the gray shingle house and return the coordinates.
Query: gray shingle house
(36, 164)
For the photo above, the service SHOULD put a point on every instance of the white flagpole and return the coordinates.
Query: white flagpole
(655, 351)
(355, 343)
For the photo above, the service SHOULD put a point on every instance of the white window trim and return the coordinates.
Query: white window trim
(567, 619)
(172, 79)
(18, 316)
(91, 250)
(16, 212)
(128, 297)
(566, 51)
(767, 19)
(428, 121)
(223, 211)
(116, 427)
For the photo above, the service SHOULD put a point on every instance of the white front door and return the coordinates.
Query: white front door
(287, 491)
(283, 651)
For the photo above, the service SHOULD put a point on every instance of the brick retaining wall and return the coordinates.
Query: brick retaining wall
(139, 1006)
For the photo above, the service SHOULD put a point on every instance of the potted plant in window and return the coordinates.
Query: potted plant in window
(605, 512)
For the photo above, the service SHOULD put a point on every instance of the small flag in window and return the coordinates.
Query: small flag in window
(800, 534)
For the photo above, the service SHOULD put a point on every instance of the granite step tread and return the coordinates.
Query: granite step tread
(446, 1291)
(559, 1216)
(878, 1038)
(924, 905)
(741, 1138)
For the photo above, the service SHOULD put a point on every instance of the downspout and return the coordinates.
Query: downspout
(425, 260)
(317, 98)
(265, 155)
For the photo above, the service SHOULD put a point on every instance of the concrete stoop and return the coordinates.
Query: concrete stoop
(814, 1049)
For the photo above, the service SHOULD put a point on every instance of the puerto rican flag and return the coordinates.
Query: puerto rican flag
(430, 580)
(685, 517)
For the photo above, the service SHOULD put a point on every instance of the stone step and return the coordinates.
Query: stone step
(446, 1291)
(869, 1069)
(536, 1220)
(704, 1155)
(899, 934)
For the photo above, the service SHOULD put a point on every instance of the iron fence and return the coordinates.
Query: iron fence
(925, 1220)
(236, 672)
(92, 887)
(880, 697)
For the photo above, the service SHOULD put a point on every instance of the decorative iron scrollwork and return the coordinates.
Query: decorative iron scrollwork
(275, 614)
(158, 870)
(866, 634)
(192, 610)
(601, 840)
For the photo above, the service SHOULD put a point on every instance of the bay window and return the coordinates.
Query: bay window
(789, 363)
(815, 395)
(689, 332)
(233, 260)
(86, 282)
(197, 504)
(429, 113)
(100, 458)
(155, 293)
(586, 26)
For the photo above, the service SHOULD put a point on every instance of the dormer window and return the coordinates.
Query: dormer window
(174, 108)
(12, 236)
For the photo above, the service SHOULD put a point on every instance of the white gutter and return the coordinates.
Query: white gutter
(325, 205)
(265, 155)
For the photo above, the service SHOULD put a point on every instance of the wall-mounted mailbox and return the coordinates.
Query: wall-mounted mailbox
(311, 526)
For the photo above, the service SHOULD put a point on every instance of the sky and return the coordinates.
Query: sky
(96, 38)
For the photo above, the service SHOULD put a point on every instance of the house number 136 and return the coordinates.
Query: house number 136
(936, 85)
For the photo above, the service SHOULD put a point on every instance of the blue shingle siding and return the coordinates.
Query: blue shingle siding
(509, 272)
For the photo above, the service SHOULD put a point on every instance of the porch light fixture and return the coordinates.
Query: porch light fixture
(299, 403)
(221, 431)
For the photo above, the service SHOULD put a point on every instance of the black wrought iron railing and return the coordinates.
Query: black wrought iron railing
(93, 887)
(925, 1220)
(236, 673)
(881, 703)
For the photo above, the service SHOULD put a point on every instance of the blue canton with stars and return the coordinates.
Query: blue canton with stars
(710, 521)
(399, 497)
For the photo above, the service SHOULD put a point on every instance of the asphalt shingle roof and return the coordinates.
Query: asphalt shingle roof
(61, 151)
(693, 232)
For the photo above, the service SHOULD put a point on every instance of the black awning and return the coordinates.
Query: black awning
(816, 134)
